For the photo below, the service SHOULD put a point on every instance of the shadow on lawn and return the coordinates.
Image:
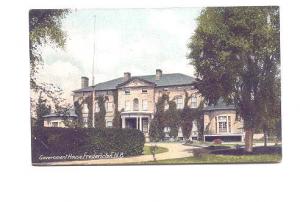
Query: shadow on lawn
(256, 151)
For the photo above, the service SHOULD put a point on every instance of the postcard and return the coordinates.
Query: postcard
(155, 86)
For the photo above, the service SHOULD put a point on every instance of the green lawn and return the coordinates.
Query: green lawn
(158, 151)
(212, 158)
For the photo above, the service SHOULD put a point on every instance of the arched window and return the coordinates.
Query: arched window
(135, 104)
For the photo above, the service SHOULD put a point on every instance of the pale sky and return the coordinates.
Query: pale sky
(127, 40)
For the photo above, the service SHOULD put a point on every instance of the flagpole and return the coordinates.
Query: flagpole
(94, 49)
(93, 76)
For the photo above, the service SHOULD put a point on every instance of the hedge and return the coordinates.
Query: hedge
(52, 141)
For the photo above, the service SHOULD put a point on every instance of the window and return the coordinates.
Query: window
(224, 124)
(179, 102)
(166, 105)
(144, 90)
(145, 105)
(108, 124)
(127, 92)
(167, 131)
(109, 106)
(180, 135)
(85, 121)
(85, 109)
(194, 101)
(222, 121)
(97, 108)
(54, 124)
(194, 129)
(135, 104)
(127, 105)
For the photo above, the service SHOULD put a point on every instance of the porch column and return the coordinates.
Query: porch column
(148, 124)
(137, 122)
(227, 124)
(217, 124)
(123, 122)
(140, 123)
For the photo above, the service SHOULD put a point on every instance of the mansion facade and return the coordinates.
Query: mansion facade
(137, 97)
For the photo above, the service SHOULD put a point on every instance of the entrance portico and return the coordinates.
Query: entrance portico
(137, 120)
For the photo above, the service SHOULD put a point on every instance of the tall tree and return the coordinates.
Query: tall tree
(44, 29)
(42, 109)
(235, 52)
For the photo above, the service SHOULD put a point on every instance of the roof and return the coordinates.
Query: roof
(220, 105)
(134, 78)
(175, 79)
(71, 113)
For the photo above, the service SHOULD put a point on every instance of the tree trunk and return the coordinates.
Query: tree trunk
(249, 140)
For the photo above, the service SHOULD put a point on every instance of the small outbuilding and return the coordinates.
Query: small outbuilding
(58, 120)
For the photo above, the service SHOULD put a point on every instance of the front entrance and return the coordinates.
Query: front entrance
(137, 120)
(140, 123)
(131, 123)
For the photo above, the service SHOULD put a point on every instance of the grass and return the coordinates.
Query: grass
(224, 154)
(219, 159)
(158, 151)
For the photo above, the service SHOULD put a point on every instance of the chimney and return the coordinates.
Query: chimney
(84, 82)
(158, 74)
(127, 76)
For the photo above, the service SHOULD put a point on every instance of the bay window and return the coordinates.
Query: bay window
(223, 124)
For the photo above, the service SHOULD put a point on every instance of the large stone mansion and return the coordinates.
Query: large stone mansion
(137, 98)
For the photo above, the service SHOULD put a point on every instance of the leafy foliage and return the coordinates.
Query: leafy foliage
(100, 116)
(236, 55)
(175, 118)
(44, 29)
(157, 124)
(89, 102)
(117, 114)
(42, 109)
(78, 111)
(80, 141)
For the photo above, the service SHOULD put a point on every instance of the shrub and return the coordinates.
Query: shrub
(77, 141)
(217, 141)
(197, 152)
